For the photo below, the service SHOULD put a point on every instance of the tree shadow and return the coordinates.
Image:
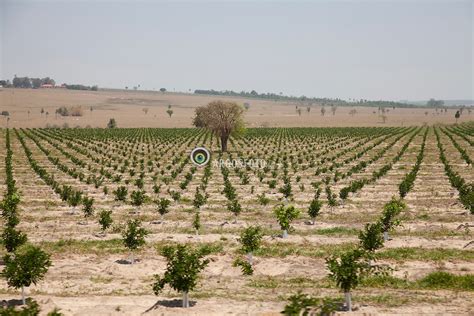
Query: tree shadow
(11, 303)
(125, 261)
(176, 303)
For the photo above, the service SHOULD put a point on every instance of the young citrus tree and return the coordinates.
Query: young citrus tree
(163, 206)
(388, 219)
(314, 209)
(88, 207)
(27, 265)
(285, 214)
(182, 271)
(250, 239)
(347, 270)
(105, 220)
(133, 236)
(370, 239)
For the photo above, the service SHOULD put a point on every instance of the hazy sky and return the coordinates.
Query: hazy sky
(350, 49)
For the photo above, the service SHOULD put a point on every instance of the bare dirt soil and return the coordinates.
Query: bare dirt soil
(127, 107)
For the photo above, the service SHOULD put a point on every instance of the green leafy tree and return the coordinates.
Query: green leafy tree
(223, 119)
(285, 214)
(314, 208)
(105, 220)
(347, 270)
(197, 221)
(133, 236)
(250, 240)
(389, 219)
(235, 208)
(163, 205)
(88, 206)
(121, 193)
(138, 198)
(26, 266)
(182, 270)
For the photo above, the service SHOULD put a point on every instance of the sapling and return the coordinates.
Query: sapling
(197, 221)
(388, 219)
(199, 199)
(314, 208)
(285, 214)
(235, 207)
(74, 199)
(182, 270)
(347, 270)
(105, 220)
(370, 239)
(163, 206)
(133, 236)
(27, 265)
(87, 207)
(250, 239)
(121, 193)
(138, 198)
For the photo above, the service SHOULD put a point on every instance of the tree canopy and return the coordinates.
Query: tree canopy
(221, 118)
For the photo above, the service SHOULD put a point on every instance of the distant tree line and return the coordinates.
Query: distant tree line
(304, 99)
(81, 87)
(28, 83)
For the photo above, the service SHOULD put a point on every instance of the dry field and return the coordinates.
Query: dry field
(127, 108)
(89, 275)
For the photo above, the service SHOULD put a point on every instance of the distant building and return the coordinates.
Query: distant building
(47, 86)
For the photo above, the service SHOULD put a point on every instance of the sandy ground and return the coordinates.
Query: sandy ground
(127, 108)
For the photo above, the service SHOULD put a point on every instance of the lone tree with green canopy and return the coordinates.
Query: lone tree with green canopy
(182, 270)
(222, 118)
(27, 265)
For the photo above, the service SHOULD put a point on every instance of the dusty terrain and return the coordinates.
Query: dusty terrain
(127, 108)
(89, 276)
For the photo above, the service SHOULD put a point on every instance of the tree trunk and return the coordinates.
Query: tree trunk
(385, 236)
(347, 296)
(250, 258)
(23, 295)
(132, 260)
(224, 139)
(185, 299)
(285, 234)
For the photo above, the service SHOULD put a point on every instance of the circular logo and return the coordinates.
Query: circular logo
(200, 156)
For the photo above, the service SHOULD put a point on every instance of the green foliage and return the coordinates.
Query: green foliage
(183, 267)
(347, 269)
(251, 238)
(302, 305)
(244, 265)
(138, 198)
(262, 199)
(390, 211)
(197, 220)
(12, 238)
(27, 265)
(121, 193)
(88, 208)
(105, 219)
(314, 208)
(285, 215)
(234, 207)
(163, 206)
(199, 199)
(370, 239)
(134, 235)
